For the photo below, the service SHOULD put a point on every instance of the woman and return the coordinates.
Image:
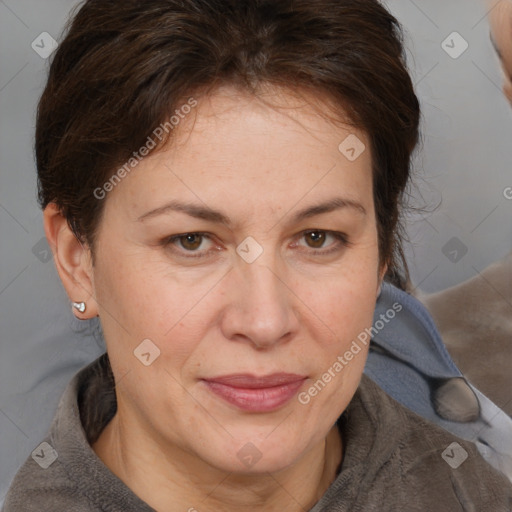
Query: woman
(221, 184)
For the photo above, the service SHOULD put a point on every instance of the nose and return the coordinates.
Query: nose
(262, 309)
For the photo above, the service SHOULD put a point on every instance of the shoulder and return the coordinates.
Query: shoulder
(42, 484)
(432, 467)
(63, 472)
(54, 474)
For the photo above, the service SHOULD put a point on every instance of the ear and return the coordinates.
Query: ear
(72, 260)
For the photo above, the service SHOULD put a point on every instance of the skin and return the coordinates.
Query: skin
(172, 441)
(500, 21)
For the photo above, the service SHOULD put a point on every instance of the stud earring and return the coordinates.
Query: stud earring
(80, 306)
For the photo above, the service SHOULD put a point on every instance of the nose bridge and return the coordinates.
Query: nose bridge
(258, 268)
(262, 307)
(263, 285)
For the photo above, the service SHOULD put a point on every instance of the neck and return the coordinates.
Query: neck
(180, 481)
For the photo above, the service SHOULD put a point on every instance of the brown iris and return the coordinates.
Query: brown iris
(318, 238)
(191, 241)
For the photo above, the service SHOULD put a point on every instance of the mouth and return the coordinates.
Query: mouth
(256, 394)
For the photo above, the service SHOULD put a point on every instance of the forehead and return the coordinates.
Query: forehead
(228, 110)
(274, 151)
(260, 128)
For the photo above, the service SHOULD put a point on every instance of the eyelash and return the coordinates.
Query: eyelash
(342, 239)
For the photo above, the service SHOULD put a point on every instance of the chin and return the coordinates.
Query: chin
(255, 457)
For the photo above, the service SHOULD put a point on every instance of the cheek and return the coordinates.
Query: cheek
(348, 310)
(340, 305)
(140, 298)
(128, 303)
(133, 286)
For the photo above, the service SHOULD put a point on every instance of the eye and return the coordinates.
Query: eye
(317, 238)
(188, 243)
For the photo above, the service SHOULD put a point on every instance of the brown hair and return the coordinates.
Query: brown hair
(124, 67)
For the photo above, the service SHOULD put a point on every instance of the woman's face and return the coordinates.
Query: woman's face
(249, 297)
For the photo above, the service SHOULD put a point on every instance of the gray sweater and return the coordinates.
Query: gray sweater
(393, 461)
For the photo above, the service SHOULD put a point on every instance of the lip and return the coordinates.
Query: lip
(256, 394)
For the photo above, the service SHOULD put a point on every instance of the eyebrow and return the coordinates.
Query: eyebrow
(206, 213)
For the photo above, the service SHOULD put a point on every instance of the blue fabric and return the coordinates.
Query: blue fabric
(409, 360)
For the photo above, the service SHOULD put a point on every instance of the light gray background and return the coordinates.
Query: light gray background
(465, 165)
